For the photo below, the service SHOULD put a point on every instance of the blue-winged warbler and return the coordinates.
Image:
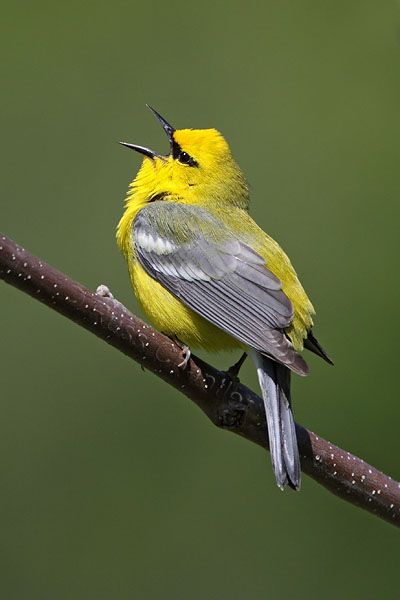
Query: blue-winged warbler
(207, 275)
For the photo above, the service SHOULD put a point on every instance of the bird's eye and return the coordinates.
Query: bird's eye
(184, 158)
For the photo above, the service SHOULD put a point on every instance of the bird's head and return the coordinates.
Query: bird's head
(199, 169)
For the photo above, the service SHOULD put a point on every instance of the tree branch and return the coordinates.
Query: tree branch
(235, 408)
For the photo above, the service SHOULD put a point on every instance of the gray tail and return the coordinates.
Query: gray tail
(274, 381)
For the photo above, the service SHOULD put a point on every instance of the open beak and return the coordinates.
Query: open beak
(142, 150)
(169, 130)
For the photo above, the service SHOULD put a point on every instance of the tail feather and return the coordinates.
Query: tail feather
(274, 381)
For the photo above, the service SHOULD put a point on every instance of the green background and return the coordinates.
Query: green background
(111, 484)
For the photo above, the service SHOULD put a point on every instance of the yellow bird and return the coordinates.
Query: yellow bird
(206, 274)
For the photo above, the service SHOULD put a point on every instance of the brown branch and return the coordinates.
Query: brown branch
(235, 408)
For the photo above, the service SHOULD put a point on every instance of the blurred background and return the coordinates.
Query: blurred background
(93, 503)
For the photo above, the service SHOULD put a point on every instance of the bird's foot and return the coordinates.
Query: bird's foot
(186, 353)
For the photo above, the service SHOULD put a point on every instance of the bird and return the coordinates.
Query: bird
(208, 276)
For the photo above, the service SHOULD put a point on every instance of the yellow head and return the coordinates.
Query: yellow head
(198, 170)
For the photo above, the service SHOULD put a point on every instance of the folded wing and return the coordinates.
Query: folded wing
(222, 279)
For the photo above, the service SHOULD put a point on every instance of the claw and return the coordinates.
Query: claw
(186, 353)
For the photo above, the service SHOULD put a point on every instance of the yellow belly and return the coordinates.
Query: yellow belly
(173, 318)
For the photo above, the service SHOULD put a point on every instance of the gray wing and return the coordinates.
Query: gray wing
(222, 279)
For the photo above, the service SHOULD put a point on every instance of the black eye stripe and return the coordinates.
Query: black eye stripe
(183, 157)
